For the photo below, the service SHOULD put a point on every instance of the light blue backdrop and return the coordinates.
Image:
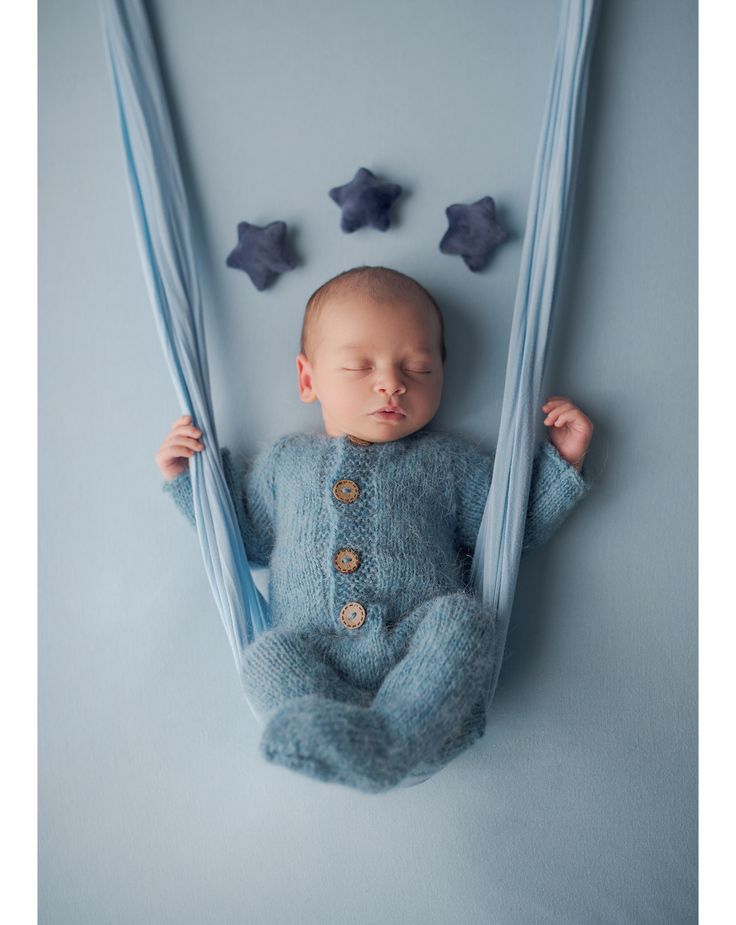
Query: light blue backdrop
(579, 804)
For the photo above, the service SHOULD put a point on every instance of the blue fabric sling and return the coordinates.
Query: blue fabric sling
(498, 549)
(165, 242)
(163, 227)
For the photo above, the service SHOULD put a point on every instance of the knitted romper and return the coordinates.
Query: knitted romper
(380, 654)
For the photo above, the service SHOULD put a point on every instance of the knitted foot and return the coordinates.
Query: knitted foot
(335, 742)
(466, 734)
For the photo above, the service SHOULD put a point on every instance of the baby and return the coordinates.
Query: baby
(380, 654)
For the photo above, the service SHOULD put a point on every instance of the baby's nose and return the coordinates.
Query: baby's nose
(389, 380)
(391, 387)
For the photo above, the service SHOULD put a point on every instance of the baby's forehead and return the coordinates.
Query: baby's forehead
(350, 323)
(355, 305)
(360, 317)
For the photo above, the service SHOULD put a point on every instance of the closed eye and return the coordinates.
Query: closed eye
(361, 369)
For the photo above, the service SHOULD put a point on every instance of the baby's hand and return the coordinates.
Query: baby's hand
(570, 430)
(181, 442)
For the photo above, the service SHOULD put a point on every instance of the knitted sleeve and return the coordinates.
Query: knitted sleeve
(252, 493)
(555, 489)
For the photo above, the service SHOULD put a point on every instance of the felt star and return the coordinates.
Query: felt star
(261, 252)
(473, 233)
(365, 201)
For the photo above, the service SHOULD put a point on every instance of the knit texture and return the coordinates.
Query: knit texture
(379, 650)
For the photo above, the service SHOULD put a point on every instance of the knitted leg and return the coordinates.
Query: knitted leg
(422, 703)
(434, 697)
(283, 664)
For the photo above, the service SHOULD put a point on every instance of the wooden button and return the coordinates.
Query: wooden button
(345, 490)
(358, 441)
(353, 615)
(346, 560)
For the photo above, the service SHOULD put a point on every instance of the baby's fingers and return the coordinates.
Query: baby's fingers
(557, 409)
(556, 402)
(184, 424)
(566, 417)
(185, 430)
(177, 451)
(174, 440)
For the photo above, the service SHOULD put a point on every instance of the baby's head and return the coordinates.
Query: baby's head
(372, 337)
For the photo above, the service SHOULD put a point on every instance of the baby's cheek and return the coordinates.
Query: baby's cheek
(348, 398)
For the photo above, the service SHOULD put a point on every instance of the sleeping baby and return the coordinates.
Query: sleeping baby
(378, 661)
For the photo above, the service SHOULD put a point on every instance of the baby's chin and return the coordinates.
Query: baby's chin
(376, 431)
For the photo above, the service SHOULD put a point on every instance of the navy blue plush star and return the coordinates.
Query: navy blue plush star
(473, 232)
(261, 252)
(365, 201)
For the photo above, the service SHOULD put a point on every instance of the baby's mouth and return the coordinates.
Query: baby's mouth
(389, 414)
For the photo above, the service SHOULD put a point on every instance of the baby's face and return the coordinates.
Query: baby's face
(370, 354)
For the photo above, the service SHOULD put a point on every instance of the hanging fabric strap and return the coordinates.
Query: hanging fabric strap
(498, 548)
(164, 238)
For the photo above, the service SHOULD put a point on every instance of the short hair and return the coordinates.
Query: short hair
(378, 282)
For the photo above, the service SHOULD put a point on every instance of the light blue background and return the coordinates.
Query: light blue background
(579, 804)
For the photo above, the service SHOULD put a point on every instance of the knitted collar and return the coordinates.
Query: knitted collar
(359, 441)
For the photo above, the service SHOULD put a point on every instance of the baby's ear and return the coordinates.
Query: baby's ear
(304, 379)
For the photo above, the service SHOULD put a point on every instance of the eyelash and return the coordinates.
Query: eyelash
(363, 368)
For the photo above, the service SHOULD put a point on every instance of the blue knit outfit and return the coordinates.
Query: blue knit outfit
(380, 653)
